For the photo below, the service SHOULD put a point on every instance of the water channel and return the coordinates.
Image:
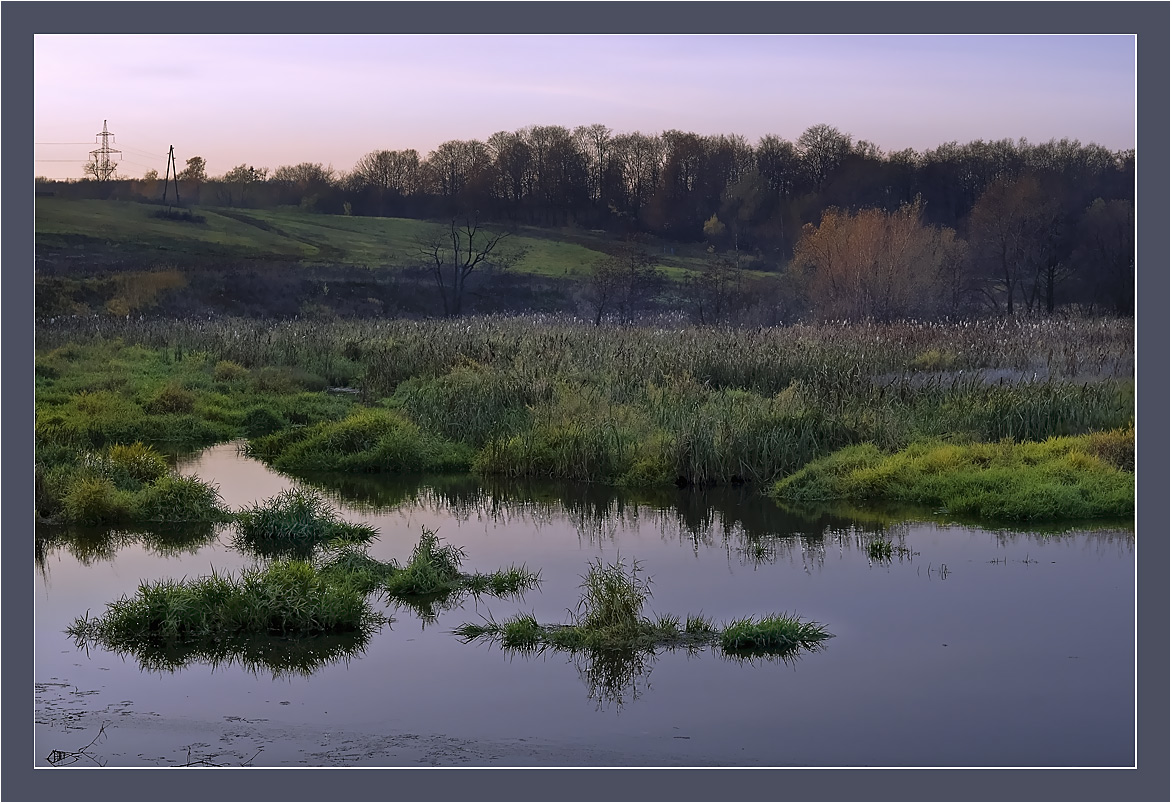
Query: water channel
(973, 647)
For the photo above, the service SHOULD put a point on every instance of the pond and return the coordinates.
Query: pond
(970, 647)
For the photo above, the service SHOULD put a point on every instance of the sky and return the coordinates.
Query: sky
(271, 100)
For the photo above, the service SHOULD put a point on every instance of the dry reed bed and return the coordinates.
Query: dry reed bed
(383, 353)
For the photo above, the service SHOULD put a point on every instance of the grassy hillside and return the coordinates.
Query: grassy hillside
(84, 226)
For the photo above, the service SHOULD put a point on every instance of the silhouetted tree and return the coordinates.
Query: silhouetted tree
(621, 283)
(463, 246)
(195, 171)
(1012, 236)
(822, 149)
(1105, 255)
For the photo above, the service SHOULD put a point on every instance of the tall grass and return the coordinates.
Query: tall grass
(649, 405)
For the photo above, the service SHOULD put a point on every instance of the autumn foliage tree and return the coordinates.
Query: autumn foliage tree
(874, 264)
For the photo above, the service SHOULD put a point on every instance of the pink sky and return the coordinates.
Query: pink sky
(270, 100)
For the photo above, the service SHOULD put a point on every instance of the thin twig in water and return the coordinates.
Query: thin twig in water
(69, 757)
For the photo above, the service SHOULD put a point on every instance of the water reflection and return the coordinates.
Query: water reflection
(283, 657)
(703, 517)
(615, 678)
(91, 545)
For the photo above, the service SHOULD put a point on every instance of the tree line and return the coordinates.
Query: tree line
(1003, 225)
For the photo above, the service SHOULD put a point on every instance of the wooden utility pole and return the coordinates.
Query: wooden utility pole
(172, 176)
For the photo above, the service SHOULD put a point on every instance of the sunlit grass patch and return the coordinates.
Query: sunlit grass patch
(1059, 478)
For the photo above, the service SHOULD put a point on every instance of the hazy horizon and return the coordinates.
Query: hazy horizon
(271, 100)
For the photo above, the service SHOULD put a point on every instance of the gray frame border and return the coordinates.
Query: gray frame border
(1148, 20)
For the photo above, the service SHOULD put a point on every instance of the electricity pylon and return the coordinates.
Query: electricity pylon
(102, 167)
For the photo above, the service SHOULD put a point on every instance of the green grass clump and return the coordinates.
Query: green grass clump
(430, 579)
(612, 601)
(609, 624)
(141, 463)
(261, 420)
(97, 501)
(119, 485)
(229, 371)
(176, 498)
(507, 582)
(1060, 478)
(368, 440)
(285, 598)
(771, 635)
(434, 569)
(171, 398)
(295, 523)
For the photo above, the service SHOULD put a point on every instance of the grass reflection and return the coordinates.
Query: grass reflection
(282, 657)
(612, 644)
(91, 545)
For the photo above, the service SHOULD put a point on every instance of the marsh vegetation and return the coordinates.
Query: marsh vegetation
(633, 406)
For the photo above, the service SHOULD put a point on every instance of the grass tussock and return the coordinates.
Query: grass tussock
(772, 635)
(609, 622)
(431, 578)
(294, 524)
(286, 598)
(1079, 477)
(367, 441)
(119, 485)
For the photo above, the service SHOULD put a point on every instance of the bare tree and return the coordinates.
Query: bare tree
(462, 247)
(823, 148)
(715, 291)
(621, 283)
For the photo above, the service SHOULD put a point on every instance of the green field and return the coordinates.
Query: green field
(310, 238)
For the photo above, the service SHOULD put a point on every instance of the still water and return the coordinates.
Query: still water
(973, 648)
